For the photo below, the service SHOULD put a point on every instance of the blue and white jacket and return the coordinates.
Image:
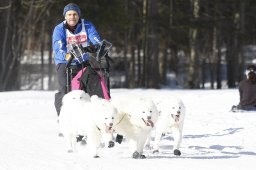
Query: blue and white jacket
(59, 38)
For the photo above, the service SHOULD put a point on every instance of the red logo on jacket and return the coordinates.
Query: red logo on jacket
(77, 39)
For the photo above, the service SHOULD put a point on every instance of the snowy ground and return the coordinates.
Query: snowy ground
(213, 137)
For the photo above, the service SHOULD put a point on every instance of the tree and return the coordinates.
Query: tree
(199, 41)
(193, 81)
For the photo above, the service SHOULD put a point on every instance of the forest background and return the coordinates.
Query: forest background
(172, 43)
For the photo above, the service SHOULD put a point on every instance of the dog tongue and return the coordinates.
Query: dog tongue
(176, 118)
(108, 129)
(150, 123)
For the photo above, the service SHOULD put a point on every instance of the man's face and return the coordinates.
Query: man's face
(72, 17)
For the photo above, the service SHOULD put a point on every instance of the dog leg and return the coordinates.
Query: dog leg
(133, 145)
(93, 148)
(108, 139)
(137, 155)
(142, 140)
(94, 141)
(177, 135)
(158, 135)
(71, 143)
(148, 141)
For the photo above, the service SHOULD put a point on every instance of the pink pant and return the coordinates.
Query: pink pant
(75, 83)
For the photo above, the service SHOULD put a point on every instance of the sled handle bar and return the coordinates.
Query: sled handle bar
(100, 49)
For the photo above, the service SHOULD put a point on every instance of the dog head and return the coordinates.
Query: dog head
(173, 109)
(104, 114)
(144, 113)
(76, 96)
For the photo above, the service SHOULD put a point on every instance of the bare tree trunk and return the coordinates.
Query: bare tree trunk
(203, 75)
(214, 55)
(50, 72)
(145, 43)
(5, 49)
(192, 74)
(231, 45)
(218, 67)
(153, 49)
(132, 67)
(42, 53)
(217, 47)
(163, 65)
(126, 63)
(230, 63)
(139, 72)
(241, 40)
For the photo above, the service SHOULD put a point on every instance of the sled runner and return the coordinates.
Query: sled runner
(92, 76)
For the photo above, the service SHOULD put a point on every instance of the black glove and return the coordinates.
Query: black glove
(92, 48)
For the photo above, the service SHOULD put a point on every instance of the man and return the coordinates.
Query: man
(73, 30)
(247, 91)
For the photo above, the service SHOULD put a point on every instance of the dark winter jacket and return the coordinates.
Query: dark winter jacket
(247, 92)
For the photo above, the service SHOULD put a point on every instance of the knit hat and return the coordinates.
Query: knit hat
(251, 68)
(250, 72)
(71, 6)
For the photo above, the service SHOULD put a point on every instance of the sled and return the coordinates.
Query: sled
(93, 76)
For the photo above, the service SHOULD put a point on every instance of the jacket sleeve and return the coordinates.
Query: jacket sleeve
(59, 45)
(92, 33)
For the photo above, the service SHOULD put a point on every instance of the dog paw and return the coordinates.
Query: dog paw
(143, 157)
(70, 151)
(111, 144)
(155, 151)
(136, 155)
(177, 152)
(60, 134)
(79, 138)
(83, 142)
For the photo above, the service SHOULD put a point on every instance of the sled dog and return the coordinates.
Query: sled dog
(170, 120)
(92, 117)
(135, 119)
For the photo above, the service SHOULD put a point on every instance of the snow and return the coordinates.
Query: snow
(213, 137)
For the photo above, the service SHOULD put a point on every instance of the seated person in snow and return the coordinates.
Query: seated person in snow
(247, 91)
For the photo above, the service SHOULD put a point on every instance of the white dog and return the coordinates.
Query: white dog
(92, 117)
(135, 120)
(72, 104)
(100, 127)
(170, 120)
